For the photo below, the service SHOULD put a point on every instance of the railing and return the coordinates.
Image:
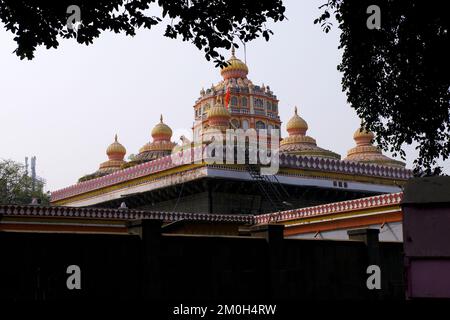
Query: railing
(241, 111)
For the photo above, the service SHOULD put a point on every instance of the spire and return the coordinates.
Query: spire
(161, 118)
(295, 110)
(232, 50)
(115, 138)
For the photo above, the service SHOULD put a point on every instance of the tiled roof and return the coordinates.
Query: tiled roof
(112, 214)
(331, 208)
(128, 214)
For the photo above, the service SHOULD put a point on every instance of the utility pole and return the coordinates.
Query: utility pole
(33, 173)
(26, 166)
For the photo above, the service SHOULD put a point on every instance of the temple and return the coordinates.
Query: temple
(308, 175)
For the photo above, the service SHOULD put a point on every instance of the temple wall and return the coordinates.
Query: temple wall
(231, 203)
(197, 203)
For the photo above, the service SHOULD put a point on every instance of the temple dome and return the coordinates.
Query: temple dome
(218, 111)
(299, 143)
(362, 136)
(116, 153)
(160, 146)
(296, 125)
(236, 68)
(366, 152)
(161, 131)
(116, 150)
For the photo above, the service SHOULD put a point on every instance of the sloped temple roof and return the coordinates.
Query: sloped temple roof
(163, 172)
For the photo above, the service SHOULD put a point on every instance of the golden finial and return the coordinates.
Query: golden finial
(295, 109)
(161, 118)
(115, 138)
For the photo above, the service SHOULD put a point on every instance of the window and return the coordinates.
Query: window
(244, 102)
(234, 101)
(245, 125)
(269, 105)
(260, 125)
(259, 103)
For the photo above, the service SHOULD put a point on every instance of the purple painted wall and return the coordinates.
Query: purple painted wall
(426, 236)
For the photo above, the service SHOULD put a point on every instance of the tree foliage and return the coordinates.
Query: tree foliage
(16, 186)
(397, 77)
(208, 24)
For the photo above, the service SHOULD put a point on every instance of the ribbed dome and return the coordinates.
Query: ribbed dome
(116, 150)
(296, 125)
(366, 152)
(363, 137)
(235, 68)
(363, 133)
(161, 131)
(218, 111)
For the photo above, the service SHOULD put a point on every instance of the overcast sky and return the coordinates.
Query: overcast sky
(65, 105)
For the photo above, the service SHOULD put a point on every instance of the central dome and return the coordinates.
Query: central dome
(235, 68)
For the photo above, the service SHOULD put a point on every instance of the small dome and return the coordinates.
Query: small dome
(218, 111)
(116, 152)
(366, 152)
(363, 133)
(363, 137)
(235, 68)
(116, 149)
(161, 131)
(296, 125)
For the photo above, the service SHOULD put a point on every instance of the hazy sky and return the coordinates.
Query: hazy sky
(65, 105)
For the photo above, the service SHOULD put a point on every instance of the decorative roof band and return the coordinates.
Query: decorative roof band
(120, 214)
(330, 208)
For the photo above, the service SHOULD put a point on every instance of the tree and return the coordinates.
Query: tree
(16, 187)
(209, 24)
(397, 77)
